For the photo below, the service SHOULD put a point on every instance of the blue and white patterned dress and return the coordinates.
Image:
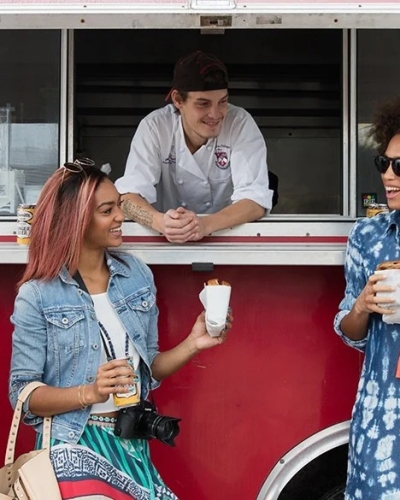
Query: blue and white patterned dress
(374, 445)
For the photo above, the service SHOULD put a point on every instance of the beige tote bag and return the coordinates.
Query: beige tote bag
(31, 476)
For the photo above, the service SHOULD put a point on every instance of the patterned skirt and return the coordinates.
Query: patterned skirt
(102, 466)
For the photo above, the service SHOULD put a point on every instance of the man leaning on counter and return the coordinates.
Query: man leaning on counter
(198, 155)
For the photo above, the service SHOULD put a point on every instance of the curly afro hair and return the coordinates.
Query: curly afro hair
(386, 123)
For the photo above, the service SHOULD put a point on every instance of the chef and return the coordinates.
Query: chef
(197, 165)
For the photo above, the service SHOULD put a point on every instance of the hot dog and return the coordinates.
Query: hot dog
(215, 281)
(389, 264)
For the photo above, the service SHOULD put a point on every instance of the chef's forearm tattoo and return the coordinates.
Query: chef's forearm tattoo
(137, 214)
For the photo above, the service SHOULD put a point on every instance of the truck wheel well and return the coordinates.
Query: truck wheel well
(314, 469)
(321, 479)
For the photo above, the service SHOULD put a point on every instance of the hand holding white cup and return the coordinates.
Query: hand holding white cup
(391, 271)
(215, 298)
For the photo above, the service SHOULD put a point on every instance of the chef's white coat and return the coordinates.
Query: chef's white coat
(228, 168)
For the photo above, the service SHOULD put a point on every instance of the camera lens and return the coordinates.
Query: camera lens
(143, 422)
(164, 429)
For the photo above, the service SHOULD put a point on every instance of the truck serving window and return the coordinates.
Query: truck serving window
(29, 114)
(289, 80)
(378, 54)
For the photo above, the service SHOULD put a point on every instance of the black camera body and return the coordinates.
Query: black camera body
(143, 422)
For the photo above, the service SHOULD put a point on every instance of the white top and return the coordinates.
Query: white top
(228, 168)
(109, 319)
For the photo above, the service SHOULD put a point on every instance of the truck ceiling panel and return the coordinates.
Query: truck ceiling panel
(219, 5)
(302, 3)
(136, 3)
(213, 16)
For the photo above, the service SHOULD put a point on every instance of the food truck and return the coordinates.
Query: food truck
(266, 415)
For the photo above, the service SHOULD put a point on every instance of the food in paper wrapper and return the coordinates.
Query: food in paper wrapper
(215, 281)
(391, 270)
(215, 298)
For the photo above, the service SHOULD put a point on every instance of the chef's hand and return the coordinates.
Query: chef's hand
(201, 229)
(195, 230)
(179, 225)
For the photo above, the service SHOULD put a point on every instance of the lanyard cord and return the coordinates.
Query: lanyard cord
(109, 346)
(105, 336)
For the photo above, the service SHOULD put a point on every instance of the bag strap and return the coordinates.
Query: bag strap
(12, 437)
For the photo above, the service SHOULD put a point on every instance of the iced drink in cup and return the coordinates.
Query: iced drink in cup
(391, 270)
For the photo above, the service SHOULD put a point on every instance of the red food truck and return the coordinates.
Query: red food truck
(266, 416)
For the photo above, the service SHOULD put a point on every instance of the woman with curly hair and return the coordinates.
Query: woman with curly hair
(374, 444)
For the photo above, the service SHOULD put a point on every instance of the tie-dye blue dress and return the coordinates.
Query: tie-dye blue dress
(374, 444)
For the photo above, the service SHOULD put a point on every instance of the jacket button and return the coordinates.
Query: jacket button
(208, 204)
(64, 321)
(180, 181)
(71, 434)
(183, 204)
(95, 346)
(145, 303)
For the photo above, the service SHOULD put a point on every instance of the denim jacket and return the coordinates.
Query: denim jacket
(56, 336)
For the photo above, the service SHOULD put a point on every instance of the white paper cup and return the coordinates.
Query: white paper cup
(215, 299)
(392, 278)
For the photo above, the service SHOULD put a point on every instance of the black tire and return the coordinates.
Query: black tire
(336, 493)
(323, 478)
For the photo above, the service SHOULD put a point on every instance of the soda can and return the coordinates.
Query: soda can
(131, 398)
(376, 208)
(24, 222)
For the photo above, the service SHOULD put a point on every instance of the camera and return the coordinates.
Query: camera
(143, 422)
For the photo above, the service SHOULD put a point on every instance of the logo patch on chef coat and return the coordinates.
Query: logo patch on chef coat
(222, 158)
(171, 158)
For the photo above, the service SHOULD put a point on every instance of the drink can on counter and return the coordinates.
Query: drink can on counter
(25, 213)
(376, 208)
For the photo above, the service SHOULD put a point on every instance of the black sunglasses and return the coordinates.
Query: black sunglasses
(383, 162)
(78, 165)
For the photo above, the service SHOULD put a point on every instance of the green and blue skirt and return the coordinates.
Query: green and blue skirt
(102, 466)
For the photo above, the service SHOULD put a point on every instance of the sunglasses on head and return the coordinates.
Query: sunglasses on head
(383, 162)
(78, 165)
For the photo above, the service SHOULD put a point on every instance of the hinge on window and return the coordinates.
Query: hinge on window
(215, 22)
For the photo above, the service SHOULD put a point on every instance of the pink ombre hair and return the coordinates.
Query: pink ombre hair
(61, 218)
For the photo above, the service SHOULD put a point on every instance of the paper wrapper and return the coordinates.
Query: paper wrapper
(392, 279)
(215, 299)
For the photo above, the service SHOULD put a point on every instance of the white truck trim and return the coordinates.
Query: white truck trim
(215, 14)
(304, 241)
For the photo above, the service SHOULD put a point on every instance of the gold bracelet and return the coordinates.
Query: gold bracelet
(85, 403)
(81, 397)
